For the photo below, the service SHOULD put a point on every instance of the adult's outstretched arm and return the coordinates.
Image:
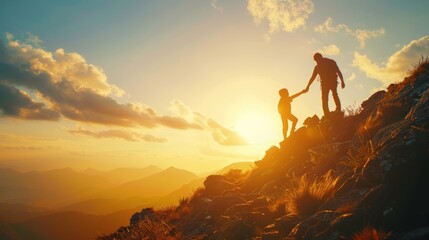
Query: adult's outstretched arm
(313, 76)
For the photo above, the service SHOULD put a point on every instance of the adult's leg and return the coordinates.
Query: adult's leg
(336, 98)
(325, 105)
(285, 126)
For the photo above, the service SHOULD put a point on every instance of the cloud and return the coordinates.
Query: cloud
(352, 77)
(23, 148)
(328, 27)
(225, 136)
(121, 134)
(60, 65)
(17, 103)
(220, 134)
(330, 50)
(288, 15)
(33, 40)
(38, 84)
(362, 35)
(215, 5)
(397, 65)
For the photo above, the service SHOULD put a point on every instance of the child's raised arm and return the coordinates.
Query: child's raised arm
(297, 94)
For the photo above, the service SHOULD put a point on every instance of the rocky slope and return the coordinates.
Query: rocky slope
(365, 174)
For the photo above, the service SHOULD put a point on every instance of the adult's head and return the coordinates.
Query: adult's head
(284, 92)
(317, 57)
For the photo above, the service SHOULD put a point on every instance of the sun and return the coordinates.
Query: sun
(257, 128)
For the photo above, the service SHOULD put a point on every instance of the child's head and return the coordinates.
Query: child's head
(284, 92)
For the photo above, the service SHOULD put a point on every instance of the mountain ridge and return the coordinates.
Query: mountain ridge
(341, 177)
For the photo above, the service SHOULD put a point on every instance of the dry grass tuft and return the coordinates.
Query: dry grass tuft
(308, 194)
(358, 155)
(421, 67)
(352, 110)
(196, 195)
(370, 233)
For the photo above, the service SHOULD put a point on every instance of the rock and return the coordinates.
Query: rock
(314, 225)
(221, 203)
(270, 155)
(258, 218)
(373, 100)
(214, 178)
(416, 234)
(259, 202)
(311, 121)
(344, 225)
(285, 224)
(216, 185)
(237, 229)
(421, 108)
(325, 157)
(146, 213)
(238, 208)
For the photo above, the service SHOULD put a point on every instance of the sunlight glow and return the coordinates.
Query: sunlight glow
(257, 128)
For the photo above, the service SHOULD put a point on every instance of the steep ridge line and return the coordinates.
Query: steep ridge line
(336, 178)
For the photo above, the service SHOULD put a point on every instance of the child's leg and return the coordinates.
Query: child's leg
(294, 122)
(285, 126)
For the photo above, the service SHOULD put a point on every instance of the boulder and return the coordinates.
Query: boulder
(311, 121)
(146, 213)
(373, 100)
(216, 185)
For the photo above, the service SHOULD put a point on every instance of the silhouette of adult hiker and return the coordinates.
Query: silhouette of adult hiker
(284, 108)
(328, 71)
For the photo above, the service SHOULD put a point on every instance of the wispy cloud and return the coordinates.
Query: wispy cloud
(38, 84)
(330, 50)
(362, 35)
(215, 4)
(397, 65)
(33, 40)
(287, 15)
(352, 77)
(220, 134)
(121, 134)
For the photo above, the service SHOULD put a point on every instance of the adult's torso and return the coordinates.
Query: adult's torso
(327, 70)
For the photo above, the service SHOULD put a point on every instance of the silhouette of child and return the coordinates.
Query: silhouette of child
(284, 108)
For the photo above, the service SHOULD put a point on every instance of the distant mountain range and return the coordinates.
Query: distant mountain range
(70, 225)
(154, 185)
(45, 204)
(48, 189)
(121, 175)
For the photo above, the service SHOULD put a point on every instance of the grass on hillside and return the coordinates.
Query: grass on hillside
(307, 194)
(370, 233)
(358, 155)
(352, 110)
(421, 67)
